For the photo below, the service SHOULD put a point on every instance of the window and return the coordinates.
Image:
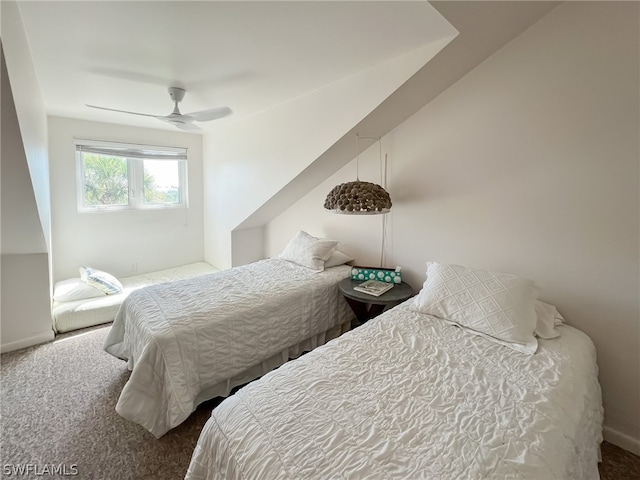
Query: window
(114, 176)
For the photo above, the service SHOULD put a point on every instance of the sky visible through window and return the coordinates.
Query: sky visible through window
(165, 187)
(165, 174)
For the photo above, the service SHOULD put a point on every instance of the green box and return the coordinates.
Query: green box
(387, 275)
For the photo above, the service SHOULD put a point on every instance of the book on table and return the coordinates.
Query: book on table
(373, 287)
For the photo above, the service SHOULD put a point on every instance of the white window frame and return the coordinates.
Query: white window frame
(135, 155)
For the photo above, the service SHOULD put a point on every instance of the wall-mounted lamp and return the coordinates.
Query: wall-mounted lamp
(359, 198)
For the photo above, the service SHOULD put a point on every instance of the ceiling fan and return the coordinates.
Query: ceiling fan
(182, 121)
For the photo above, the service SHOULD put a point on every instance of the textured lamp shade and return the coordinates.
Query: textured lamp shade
(358, 198)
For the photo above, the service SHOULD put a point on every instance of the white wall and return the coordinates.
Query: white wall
(22, 231)
(530, 165)
(30, 109)
(26, 210)
(111, 241)
(24, 311)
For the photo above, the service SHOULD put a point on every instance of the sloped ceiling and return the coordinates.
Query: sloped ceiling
(484, 27)
(249, 56)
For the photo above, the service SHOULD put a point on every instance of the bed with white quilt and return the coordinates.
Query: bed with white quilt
(416, 393)
(194, 339)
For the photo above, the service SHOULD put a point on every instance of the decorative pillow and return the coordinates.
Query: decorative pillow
(547, 319)
(74, 289)
(103, 281)
(496, 306)
(337, 258)
(309, 251)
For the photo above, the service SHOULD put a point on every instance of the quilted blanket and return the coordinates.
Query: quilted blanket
(182, 338)
(408, 396)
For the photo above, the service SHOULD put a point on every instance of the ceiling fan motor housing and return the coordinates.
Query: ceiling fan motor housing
(176, 93)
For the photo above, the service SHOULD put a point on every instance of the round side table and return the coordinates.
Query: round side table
(367, 306)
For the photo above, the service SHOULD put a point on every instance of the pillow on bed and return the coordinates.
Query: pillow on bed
(74, 289)
(337, 258)
(548, 318)
(309, 251)
(103, 281)
(496, 306)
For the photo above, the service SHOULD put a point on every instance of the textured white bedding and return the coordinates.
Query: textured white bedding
(407, 396)
(95, 311)
(184, 340)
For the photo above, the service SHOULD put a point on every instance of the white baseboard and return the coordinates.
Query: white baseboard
(622, 440)
(27, 342)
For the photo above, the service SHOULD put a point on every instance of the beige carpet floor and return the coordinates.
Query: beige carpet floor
(58, 408)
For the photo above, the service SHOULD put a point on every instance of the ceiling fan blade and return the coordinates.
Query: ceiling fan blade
(122, 111)
(189, 127)
(210, 114)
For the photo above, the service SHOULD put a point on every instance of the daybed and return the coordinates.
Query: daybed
(188, 341)
(415, 395)
(86, 312)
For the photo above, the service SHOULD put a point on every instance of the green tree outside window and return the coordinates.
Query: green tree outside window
(105, 180)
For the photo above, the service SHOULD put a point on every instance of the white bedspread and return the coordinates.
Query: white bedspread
(185, 337)
(407, 396)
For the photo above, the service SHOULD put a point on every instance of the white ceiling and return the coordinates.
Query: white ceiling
(249, 56)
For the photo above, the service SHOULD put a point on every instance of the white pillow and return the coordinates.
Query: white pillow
(337, 258)
(496, 306)
(101, 280)
(74, 289)
(548, 318)
(309, 251)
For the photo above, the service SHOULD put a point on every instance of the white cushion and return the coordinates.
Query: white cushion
(74, 289)
(337, 258)
(496, 306)
(309, 251)
(101, 280)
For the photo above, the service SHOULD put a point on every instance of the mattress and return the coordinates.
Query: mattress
(95, 311)
(185, 340)
(409, 396)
